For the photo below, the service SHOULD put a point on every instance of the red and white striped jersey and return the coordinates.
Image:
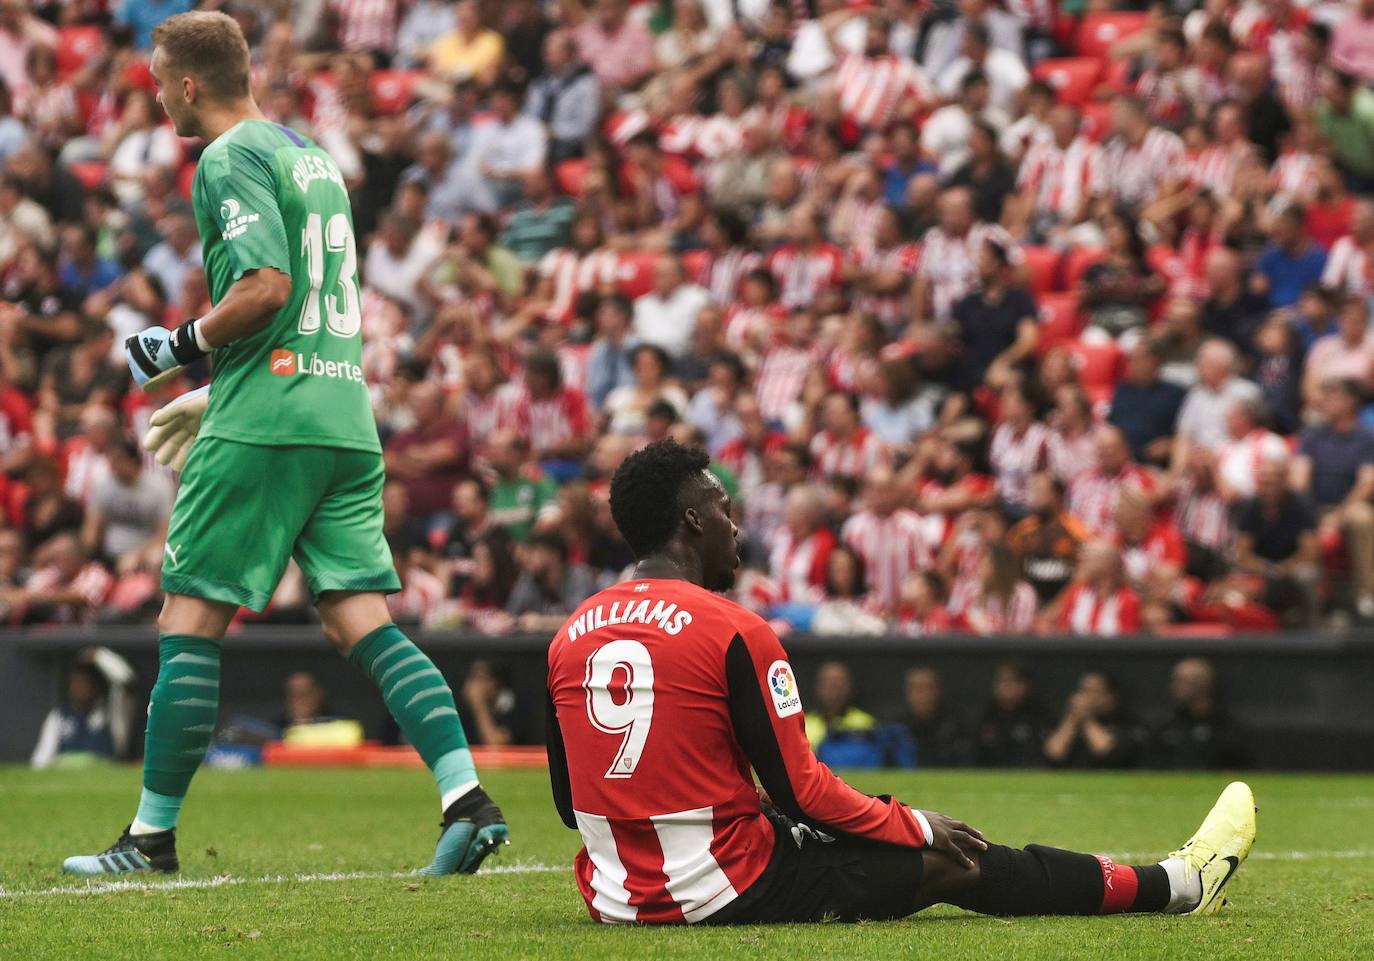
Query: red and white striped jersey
(1214, 168)
(890, 547)
(1093, 494)
(781, 377)
(797, 565)
(86, 468)
(1016, 458)
(1203, 516)
(484, 416)
(552, 421)
(1239, 461)
(1350, 268)
(750, 330)
(803, 275)
(662, 697)
(1295, 174)
(974, 609)
(573, 273)
(1162, 545)
(366, 24)
(723, 274)
(1071, 456)
(1135, 174)
(92, 582)
(951, 263)
(1059, 177)
(854, 456)
(1087, 612)
(871, 88)
(891, 309)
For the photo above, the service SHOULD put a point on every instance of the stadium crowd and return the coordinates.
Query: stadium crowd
(995, 317)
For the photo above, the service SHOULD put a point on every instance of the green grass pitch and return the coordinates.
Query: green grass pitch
(308, 864)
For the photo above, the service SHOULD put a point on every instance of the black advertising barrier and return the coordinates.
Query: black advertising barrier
(1307, 698)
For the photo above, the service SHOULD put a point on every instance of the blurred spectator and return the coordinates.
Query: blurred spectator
(304, 701)
(549, 588)
(938, 738)
(1291, 263)
(1093, 493)
(1095, 731)
(1335, 470)
(1202, 418)
(1345, 116)
(997, 600)
(1020, 448)
(541, 223)
(490, 709)
(1097, 601)
(1196, 732)
(522, 497)
(921, 607)
(617, 47)
(431, 456)
(627, 407)
(844, 735)
(1276, 541)
(566, 97)
(66, 586)
(1153, 558)
(997, 322)
(1012, 728)
(126, 517)
(847, 606)
(96, 720)
(48, 510)
(468, 49)
(1348, 352)
(667, 315)
(1047, 541)
(799, 562)
(888, 537)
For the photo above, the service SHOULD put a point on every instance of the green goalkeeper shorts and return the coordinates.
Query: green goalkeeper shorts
(243, 510)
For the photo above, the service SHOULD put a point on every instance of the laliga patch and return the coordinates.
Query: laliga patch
(782, 685)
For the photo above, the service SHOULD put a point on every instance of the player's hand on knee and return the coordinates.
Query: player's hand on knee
(954, 838)
(154, 353)
(173, 428)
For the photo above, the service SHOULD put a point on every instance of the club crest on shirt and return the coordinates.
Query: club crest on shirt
(782, 684)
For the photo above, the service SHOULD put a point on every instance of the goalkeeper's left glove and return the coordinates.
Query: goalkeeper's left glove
(173, 428)
(156, 353)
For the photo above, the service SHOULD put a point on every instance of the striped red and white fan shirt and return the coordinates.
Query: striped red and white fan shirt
(1093, 495)
(1349, 267)
(871, 88)
(852, 456)
(890, 547)
(951, 263)
(573, 273)
(1059, 177)
(1087, 612)
(1016, 458)
(1135, 174)
(803, 275)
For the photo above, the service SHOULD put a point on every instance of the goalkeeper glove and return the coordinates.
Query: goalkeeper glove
(172, 429)
(156, 353)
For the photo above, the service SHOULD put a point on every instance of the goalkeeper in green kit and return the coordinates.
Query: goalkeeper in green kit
(285, 462)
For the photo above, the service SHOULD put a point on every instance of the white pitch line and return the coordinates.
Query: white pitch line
(225, 880)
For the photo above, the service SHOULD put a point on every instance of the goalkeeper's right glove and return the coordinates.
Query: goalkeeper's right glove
(172, 428)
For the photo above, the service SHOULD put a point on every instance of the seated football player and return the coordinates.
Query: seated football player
(664, 695)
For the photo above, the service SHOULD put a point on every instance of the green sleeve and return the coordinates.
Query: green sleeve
(505, 268)
(241, 196)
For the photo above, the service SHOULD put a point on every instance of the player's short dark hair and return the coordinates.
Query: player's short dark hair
(649, 490)
(208, 46)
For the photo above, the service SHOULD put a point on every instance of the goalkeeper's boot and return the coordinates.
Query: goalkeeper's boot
(472, 830)
(131, 854)
(1220, 845)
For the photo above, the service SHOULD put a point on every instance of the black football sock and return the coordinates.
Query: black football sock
(1043, 880)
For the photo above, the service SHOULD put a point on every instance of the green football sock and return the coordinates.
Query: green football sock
(422, 703)
(181, 720)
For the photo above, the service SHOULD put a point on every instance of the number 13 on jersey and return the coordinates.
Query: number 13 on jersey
(620, 699)
(341, 307)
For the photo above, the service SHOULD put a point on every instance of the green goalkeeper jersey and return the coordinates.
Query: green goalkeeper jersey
(264, 196)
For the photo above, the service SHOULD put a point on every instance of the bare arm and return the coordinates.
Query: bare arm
(247, 307)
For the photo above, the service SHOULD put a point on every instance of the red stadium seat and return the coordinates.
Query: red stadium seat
(1042, 268)
(1098, 364)
(91, 173)
(1076, 263)
(392, 90)
(76, 45)
(569, 174)
(1098, 32)
(1073, 78)
(636, 273)
(1118, 75)
(1097, 119)
(1060, 322)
